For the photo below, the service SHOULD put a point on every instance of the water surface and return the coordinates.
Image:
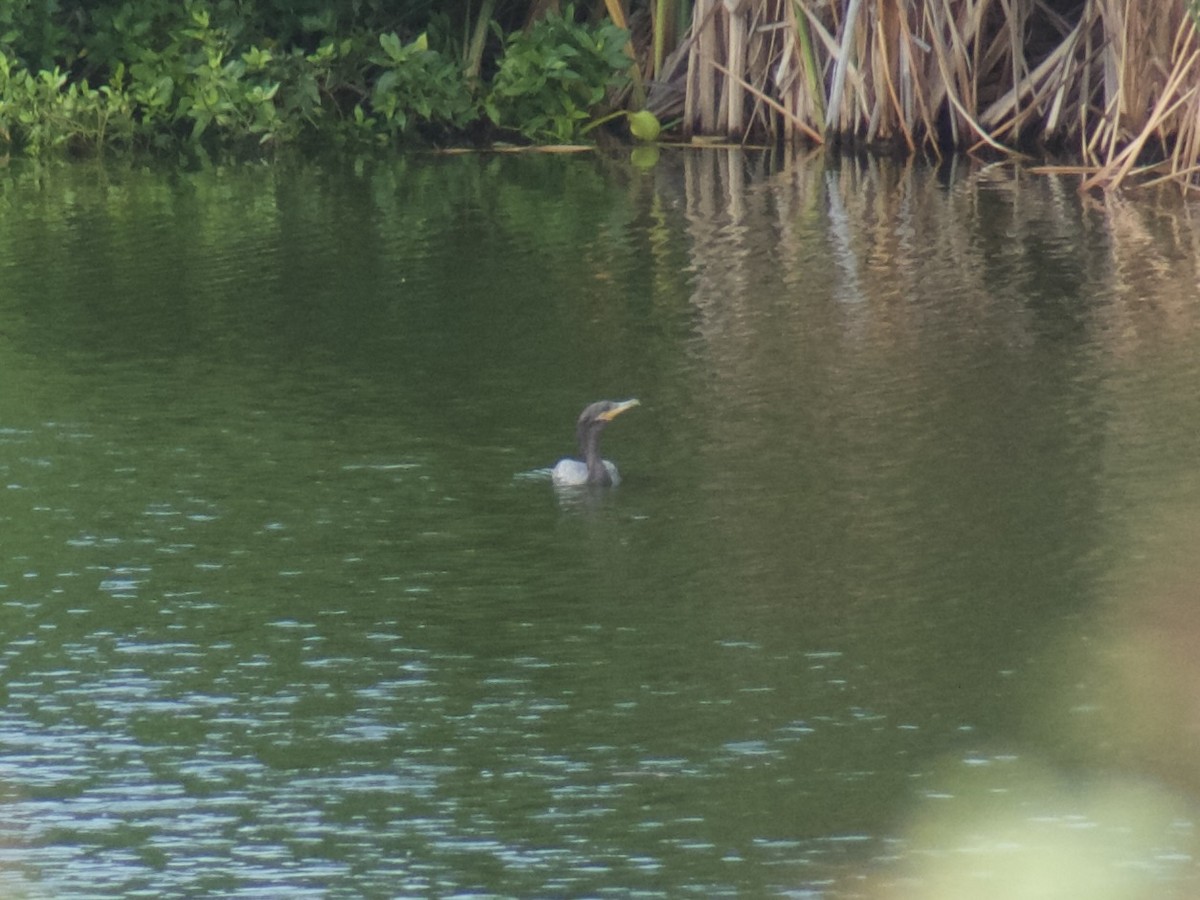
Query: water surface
(289, 607)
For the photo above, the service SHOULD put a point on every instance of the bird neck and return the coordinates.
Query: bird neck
(589, 445)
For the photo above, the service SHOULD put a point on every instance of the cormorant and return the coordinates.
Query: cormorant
(592, 469)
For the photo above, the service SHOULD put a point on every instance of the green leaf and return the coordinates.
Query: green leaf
(391, 45)
(256, 59)
(387, 81)
(202, 121)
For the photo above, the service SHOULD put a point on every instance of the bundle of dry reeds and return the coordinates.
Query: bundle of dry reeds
(1114, 83)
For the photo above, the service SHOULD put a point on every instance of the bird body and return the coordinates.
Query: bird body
(574, 473)
(591, 470)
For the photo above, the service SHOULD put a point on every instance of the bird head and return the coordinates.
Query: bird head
(596, 415)
(604, 411)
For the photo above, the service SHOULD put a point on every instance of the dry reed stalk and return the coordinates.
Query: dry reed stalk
(1116, 80)
(833, 109)
(887, 34)
(955, 79)
(806, 95)
(773, 104)
(736, 62)
(917, 110)
(1052, 78)
(698, 96)
(733, 112)
(760, 49)
(1169, 111)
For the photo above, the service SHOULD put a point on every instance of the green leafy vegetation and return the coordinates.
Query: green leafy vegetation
(554, 74)
(238, 74)
(419, 87)
(1111, 83)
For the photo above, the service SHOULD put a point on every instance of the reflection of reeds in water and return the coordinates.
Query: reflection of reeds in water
(882, 243)
(1115, 83)
(879, 289)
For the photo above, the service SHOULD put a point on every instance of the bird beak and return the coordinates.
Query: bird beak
(618, 409)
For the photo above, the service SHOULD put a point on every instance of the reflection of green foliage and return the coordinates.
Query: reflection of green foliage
(553, 75)
(403, 218)
(229, 73)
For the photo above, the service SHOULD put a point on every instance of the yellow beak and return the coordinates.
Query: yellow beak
(618, 409)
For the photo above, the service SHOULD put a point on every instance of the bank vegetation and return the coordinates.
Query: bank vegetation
(1108, 88)
(1112, 85)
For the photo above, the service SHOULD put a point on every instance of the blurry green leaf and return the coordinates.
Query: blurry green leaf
(256, 59)
(391, 45)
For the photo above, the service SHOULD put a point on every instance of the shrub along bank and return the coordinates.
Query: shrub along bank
(1113, 86)
(238, 73)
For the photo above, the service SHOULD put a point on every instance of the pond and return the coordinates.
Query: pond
(896, 597)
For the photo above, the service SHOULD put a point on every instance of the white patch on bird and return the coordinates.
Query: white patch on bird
(574, 473)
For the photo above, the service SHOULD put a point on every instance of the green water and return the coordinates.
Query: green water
(289, 607)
